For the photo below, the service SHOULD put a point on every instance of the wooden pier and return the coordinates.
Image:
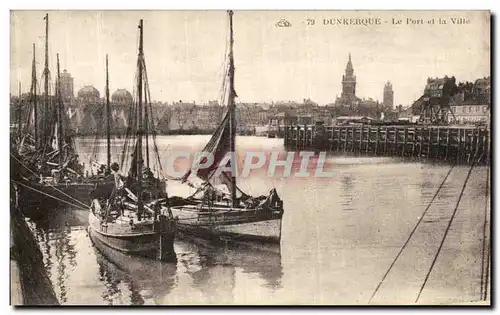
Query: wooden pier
(455, 144)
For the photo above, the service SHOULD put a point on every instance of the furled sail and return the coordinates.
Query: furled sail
(218, 147)
(55, 138)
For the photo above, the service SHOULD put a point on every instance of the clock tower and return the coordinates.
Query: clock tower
(349, 82)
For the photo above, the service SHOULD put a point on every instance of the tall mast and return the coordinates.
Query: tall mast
(146, 127)
(19, 113)
(46, 83)
(139, 124)
(59, 110)
(232, 95)
(33, 91)
(108, 118)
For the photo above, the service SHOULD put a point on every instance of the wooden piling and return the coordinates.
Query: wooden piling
(459, 147)
(385, 140)
(361, 139)
(345, 139)
(449, 143)
(438, 145)
(405, 136)
(297, 137)
(395, 144)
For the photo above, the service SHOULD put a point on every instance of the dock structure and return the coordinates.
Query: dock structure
(463, 144)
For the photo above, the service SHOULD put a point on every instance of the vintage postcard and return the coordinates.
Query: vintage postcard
(250, 157)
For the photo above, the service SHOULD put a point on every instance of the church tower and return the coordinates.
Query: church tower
(388, 95)
(349, 81)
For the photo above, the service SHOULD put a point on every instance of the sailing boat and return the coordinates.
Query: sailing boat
(53, 177)
(246, 220)
(136, 218)
(53, 174)
(25, 140)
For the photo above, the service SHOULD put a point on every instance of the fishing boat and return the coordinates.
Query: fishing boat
(52, 174)
(136, 218)
(103, 178)
(230, 216)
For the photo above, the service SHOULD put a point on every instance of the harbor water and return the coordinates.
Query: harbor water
(340, 235)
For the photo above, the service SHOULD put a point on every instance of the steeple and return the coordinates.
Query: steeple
(349, 81)
(349, 69)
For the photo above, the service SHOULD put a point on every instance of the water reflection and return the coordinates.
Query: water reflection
(347, 191)
(53, 233)
(217, 266)
(145, 278)
(111, 279)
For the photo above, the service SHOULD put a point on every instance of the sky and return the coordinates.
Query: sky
(185, 50)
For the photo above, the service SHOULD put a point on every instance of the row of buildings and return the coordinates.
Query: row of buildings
(462, 103)
(85, 110)
(470, 103)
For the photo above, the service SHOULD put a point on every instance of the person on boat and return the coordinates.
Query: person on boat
(147, 174)
(118, 178)
(209, 195)
(102, 170)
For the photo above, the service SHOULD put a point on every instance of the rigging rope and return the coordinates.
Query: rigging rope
(153, 129)
(48, 184)
(445, 233)
(49, 195)
(411, 234)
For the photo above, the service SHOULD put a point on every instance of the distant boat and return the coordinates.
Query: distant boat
(231, 216)
(136, 218)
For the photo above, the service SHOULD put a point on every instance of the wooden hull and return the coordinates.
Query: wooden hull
(260, 229)
(143, 240)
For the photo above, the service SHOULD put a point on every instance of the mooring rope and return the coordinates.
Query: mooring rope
(49, 195)
(488, 259)
(411, 234)
(50, 185)
(484, 282)
(445, 233)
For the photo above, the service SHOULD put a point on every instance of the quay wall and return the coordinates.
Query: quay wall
(453, 144)
(30, 284)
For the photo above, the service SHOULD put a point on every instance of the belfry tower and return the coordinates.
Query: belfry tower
(349, 82)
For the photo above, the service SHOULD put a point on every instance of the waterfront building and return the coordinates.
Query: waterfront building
(469, 112)
(121, 99)
(88, 95)
(92, 110)
(472, 102)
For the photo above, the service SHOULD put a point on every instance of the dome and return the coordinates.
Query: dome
(88, 92)
(121, 96)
